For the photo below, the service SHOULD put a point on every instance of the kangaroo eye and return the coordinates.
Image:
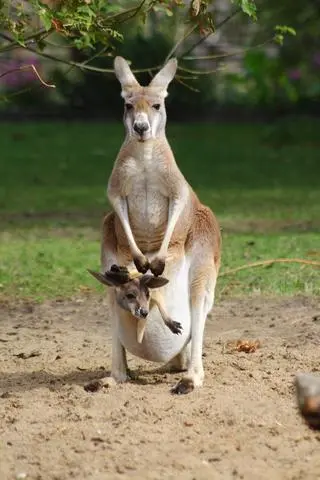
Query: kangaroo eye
(129, 106)
(131, 296)
(156, 106)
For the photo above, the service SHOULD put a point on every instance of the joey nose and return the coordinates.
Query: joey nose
(140, 127)
(143, 312)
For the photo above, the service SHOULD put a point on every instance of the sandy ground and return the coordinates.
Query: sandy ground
(243, 424)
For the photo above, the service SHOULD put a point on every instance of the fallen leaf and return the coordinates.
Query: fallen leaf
(247, 346)
(188, 424)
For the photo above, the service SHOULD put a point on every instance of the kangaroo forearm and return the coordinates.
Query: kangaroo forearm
(176, 208)
(121, 208)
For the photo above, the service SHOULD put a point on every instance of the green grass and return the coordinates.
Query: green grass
(262, 182)
(38, 265)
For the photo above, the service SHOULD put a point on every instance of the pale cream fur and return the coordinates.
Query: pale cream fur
(158, 221)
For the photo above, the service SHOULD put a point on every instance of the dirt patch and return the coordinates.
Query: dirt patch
(242, 424)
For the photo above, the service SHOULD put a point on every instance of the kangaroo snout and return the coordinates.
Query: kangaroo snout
(140, 127)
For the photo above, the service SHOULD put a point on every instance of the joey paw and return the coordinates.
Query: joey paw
(175, 327)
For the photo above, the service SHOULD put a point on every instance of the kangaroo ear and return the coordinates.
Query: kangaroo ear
(124, 74)
(153, 282)
(166, 75)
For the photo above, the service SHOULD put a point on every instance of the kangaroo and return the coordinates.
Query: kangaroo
(158, 224)
(133, 295)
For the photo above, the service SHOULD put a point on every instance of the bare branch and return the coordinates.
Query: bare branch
(27, 67)
(181, 40)
(135, 11)
(219, 25)
(225, 55)
(185, 84)
(201, 72)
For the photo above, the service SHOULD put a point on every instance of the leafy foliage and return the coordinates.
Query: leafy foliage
(94, 31)
(87, 23)
(281, 31)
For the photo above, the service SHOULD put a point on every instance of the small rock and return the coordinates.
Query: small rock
(308, 398)
(97, 385)
(21, 476)
(97, 440)
(5, 395)
(108, 382)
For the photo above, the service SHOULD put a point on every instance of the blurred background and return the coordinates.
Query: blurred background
(248, 71)
(242, 120)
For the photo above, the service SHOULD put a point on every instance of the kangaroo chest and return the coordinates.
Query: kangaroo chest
(147, 197)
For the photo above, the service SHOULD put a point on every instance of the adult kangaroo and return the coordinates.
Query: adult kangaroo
(158, 224)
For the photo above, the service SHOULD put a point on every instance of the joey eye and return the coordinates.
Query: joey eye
(129, 106)
(131, 296)
(156, 106)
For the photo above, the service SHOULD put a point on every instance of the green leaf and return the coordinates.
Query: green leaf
(281, 31)
(278, 38)
(46, 17)
(46, 23)
(248, 7)
(285, 29)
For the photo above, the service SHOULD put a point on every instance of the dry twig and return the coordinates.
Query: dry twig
(264, 263)
(27, 67)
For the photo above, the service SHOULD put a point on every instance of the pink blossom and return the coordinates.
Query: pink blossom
(294, 74)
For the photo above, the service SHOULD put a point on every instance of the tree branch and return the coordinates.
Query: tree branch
(41, 34)
(82, 65)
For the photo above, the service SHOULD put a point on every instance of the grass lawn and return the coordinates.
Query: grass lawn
(262, 182)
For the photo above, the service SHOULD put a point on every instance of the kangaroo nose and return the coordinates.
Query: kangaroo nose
(143, 312)
(140, 128)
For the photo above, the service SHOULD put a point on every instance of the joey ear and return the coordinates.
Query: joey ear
(124, 74)
(100, 277)
(153, 282)
(166, 75)
(111, 279)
